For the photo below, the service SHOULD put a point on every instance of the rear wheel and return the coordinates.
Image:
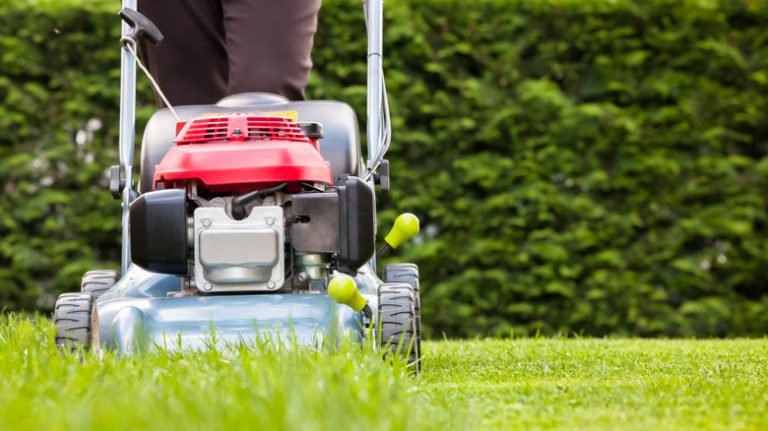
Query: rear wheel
(72, 318)
(397, 322)
(98, 281)
(408, 273)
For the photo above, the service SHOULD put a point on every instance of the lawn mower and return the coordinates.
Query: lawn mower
(253, 215)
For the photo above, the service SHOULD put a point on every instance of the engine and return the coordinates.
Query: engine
(247, 203)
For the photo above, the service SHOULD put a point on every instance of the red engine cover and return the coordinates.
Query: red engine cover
(237, 152)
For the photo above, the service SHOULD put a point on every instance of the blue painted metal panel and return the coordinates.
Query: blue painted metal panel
(137, 313)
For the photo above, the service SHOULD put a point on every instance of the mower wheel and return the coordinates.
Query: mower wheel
(408, 273)
(72, 318)
(397, 321)
(98, 281)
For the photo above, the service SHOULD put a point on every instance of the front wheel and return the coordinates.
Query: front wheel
(408, 273)
(398, 330)
(72, 318)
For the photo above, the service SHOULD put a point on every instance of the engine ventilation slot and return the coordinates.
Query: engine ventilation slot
(205, 130)
(240, 127)
(274, 129)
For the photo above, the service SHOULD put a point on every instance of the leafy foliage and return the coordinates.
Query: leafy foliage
(589, 166)
(59, 89)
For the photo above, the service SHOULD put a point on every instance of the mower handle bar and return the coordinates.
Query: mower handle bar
(140, 26)
(127, 134)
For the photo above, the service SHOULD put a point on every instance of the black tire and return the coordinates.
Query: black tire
(397, 322)
(98, 281)
(72, 318)
(408, 273)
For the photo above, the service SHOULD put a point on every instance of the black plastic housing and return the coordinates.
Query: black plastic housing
(357, 224)
(159, 231)
(320, 232)
(341, 222)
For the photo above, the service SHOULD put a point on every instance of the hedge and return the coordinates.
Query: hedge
(580, 166)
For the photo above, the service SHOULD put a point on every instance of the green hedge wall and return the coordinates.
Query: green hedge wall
(585, 166)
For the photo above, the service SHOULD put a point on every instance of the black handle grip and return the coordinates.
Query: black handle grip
(142, 26)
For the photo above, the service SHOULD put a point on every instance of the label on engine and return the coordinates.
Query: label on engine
(293, 115)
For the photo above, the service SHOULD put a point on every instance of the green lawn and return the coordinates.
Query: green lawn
(604, 384)
(501, 384)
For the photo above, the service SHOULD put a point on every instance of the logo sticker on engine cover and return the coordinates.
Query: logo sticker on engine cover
(293, 115)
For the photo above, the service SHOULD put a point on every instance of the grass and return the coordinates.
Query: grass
(604, 384)
(484, 384)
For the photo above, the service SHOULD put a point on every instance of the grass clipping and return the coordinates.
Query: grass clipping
(259, 386)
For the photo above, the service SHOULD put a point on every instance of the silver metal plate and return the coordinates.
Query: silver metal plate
(239, 255)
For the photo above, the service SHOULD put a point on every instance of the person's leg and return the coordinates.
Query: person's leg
(270, 45)
(190, 64)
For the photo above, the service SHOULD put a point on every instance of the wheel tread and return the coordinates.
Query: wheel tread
(408, 273)
(72, 318)
(397, 321)
(98, 281)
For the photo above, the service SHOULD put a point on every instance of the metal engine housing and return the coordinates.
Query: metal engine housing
(239, 255)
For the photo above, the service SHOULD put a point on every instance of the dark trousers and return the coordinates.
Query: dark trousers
(215, 48)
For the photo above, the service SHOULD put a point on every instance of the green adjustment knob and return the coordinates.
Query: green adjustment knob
(344, 291)
(406, 227)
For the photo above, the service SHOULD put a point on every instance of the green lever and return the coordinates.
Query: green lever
(405, 228)
(343, 290)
